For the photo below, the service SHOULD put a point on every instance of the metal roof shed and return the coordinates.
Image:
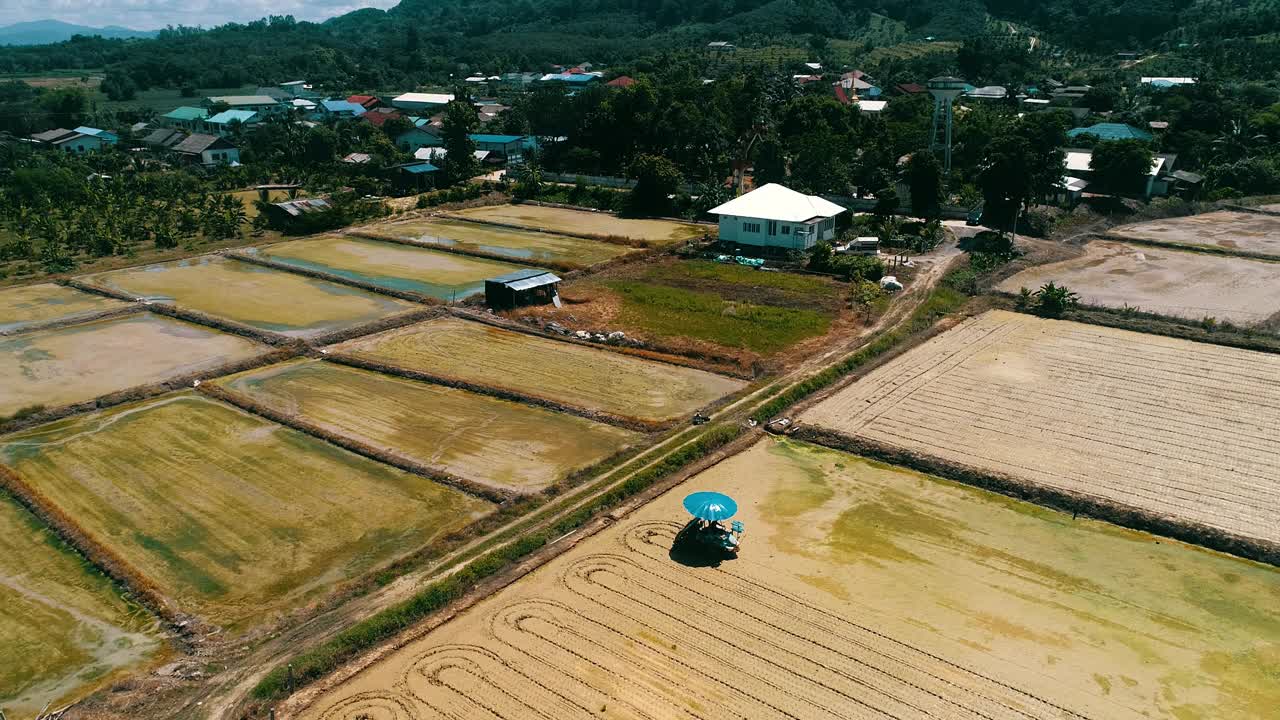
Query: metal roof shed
(521, 288)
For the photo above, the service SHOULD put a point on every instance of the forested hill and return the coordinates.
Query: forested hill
(429, 40)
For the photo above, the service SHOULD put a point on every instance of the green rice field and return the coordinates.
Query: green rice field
(496, 442)
(583, 377)
(47, 302)
(64, 629)
(658, 232)
(81, 362)
(267, 299)
(235, 518)
(520, 245)
(441, 275)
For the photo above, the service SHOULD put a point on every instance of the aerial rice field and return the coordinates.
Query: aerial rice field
(237, 519)
(81, 362)
(442, 275)
(64, 629)
(538, 217)
(477, 437)
(46, 302)
(272, 300)
(1226, 230)
(582, 377)
(861, 591)
(1173, 428)
(1181, 284)
(522, 245)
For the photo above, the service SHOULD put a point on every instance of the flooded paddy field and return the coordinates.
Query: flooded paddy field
(582, 377)
(656, 232)
(477, 437)
(236, 519)
(861, 591)
(81, 362)
(520, 245)
(47, 302)
(1224, 229)
(64, 628)
(1179, 430)
(1170, 282)
(263, 298)
(441, 275)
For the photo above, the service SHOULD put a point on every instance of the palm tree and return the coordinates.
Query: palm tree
(1238, 141)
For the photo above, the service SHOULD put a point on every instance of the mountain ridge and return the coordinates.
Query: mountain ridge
(43, 32)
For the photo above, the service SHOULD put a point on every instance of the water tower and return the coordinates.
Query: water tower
(944, 90)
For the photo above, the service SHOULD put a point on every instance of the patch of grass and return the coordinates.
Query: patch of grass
(323, 659)
(705, 270)
(675, 312)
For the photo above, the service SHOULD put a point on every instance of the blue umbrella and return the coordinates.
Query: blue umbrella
(711, 506)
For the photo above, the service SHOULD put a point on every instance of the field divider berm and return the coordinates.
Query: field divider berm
(668, 358)
(1190, 247)
(192, 316)
(614, 239)
(60, 323)
(492, 493)
(143, 392)
(132, 581)
(559, 266)
(391, 322)
(628, 423)
(332, 277)
(1055, 498)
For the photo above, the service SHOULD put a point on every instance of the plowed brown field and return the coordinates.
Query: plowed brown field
(863, 591)
(1174, 428)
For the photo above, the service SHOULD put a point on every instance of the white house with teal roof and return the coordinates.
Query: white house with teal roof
(774, 216)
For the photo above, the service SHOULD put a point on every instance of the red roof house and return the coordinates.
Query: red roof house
(368, 102)
(622, 81)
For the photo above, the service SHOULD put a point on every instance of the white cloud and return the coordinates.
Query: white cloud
(155, 14)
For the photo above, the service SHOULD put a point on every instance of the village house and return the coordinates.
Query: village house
(339, 109)
(420, 136)
(1158, 179)
(773, 216)
(207, 150)
(228, 121)
(1111, 131)
(69, 141)
(368, 102)
(509, 146)
(185, 117)
(263, 104)
(163, 138)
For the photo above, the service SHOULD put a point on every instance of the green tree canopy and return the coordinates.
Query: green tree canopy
(1121, 166)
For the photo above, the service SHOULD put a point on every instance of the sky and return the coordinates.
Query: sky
(156, 14)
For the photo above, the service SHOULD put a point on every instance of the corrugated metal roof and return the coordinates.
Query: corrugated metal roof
(227, 117)
(419, 168)
(497, 139)
(197, 144)
(1111, 131)
(424, 99)
(234, 100)
(186, 113)
(525, 279)
(303, 206)
(337, 106)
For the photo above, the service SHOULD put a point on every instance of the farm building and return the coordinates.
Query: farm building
(201, 149)
(774, 216)
(422, 101)
(521, 288)
(69, 141)
(416, 175)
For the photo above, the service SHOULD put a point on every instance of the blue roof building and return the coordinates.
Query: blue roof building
(509, 145)
(1111, 131)
(342, 108)
(185, 117)
(109, 138)
(222, 123)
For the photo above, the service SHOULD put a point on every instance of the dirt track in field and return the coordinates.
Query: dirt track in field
(1174, 428)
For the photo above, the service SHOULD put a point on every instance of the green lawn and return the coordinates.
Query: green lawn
(162, 100)
(675, 313)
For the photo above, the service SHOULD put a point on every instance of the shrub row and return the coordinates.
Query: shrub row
(319, 661)
(942, 301)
